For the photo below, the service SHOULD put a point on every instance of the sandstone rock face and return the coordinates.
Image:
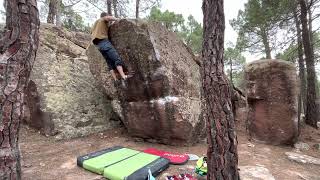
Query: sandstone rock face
(69, 100)
(162, 99)
(272, 95)
(33, 115)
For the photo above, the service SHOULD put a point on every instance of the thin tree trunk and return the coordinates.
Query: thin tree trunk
(52, 11)
(58, 14)
(18, 50)
(137, 8)
(115, 8)
(231, 79)
(312, 114)
(109, 4)
(222, 140)
(266, 44)
(310, 24)
(302, 77)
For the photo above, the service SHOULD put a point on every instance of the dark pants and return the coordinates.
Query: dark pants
(110, 54)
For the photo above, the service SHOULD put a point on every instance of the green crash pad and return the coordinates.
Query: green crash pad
(96, 162)
(119, 163)
(127, 167)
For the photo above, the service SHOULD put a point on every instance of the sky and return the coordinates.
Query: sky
(194, 7)
(184, 7)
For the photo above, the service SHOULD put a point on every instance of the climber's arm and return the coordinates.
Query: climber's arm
(110, 18)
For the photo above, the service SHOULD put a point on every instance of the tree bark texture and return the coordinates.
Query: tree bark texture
(52, 11)
(222, 140)
(312, 114)
(266, 44)
(58, 13)
(309, 5)
(303, 85)
(18, 47)
(231, 72)
(137, 8)
(115, 8)
(109, 4)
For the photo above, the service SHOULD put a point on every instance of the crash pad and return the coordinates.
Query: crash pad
(136, 167)
(174, 158)
(119, 163)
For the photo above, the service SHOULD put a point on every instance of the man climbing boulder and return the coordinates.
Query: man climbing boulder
(99, 33)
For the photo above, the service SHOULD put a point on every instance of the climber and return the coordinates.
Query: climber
(99, 33)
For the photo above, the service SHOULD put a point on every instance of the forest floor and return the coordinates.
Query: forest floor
(44, 158)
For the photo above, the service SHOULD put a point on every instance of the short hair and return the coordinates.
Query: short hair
(103, 14)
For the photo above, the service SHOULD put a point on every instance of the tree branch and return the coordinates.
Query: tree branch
(74, 3)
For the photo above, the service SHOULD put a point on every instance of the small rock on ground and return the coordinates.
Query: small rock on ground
(303, 176)
(255, 173)
(301, 158)
(301, 146)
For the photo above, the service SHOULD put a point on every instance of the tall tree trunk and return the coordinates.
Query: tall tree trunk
(109, 4)
(58, 14)
(266, 44)
(310, 24)
(312, 114)
(302, 96)
(115, 8)
(52, 11)
(137, 8)
(303, 84)
(231, 78)
(18, 50)
(222, 140)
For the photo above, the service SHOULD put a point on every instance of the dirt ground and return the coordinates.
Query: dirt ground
(44, 158)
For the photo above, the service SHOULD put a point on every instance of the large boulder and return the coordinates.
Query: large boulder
(63, 96)
(272, 94)
(162, 100)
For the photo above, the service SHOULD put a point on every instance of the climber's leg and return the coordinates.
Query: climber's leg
(116, 61)
(111, 66)
(120, 70)
(114, 75)
(113, 59)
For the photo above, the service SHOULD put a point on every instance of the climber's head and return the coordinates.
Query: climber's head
(103, 14)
